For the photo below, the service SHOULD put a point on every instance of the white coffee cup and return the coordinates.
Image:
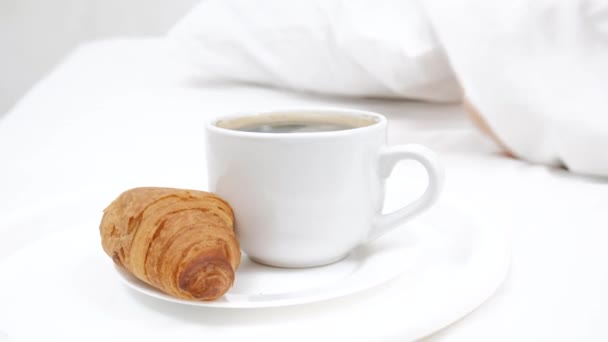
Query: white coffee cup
(307, 199)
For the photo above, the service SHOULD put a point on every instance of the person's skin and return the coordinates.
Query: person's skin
(483, 126)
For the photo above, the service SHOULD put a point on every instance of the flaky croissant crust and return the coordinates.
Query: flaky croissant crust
(179, 241)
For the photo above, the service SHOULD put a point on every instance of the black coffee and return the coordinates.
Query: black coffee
(296, 123)
(294, 127)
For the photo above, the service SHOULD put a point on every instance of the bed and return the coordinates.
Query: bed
(122, 113)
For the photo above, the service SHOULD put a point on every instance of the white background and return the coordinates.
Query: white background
(36, 34)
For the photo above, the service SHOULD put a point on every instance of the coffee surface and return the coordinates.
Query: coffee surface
(296, 123)
(293, 127)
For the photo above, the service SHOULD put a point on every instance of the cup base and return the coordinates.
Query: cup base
(282, 264)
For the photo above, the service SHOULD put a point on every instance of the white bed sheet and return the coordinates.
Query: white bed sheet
(62, 153)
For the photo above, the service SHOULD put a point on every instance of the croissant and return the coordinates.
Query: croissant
(181, 242)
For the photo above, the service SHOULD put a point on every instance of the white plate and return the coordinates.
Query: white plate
(258, 286)
(442, 267)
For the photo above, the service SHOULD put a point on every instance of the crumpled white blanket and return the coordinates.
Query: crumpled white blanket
(537, 71)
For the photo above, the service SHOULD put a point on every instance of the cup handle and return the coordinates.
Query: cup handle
(388, 159)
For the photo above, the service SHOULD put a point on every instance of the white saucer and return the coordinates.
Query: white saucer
(258, 286)
(407, 249)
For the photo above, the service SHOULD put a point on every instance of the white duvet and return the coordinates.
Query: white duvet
(536, 71)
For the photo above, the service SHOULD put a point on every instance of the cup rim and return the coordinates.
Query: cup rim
(211, 125)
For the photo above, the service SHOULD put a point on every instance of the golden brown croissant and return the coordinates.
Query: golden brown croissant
(179, 241)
